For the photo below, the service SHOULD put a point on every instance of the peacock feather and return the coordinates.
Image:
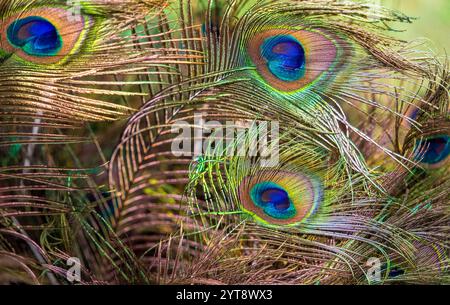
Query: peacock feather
(335, 151)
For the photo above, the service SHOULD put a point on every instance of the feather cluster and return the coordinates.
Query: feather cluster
(357, 123)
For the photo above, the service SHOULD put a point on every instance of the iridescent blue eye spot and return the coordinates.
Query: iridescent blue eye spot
(35, 35)
(285, 57)
(273, 200)
(434, 149)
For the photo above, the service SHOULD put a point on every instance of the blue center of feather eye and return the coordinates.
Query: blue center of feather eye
(273, 200)
(35, 35)
(285, 57)
(433, 150)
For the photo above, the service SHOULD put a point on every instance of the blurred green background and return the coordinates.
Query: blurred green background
(433, 21)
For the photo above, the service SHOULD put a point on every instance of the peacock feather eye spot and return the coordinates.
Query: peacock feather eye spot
(279, 198)
(273, 200)
(433, 150)
(35, 35)
(285, 57)
(45, 36)
(292, 60)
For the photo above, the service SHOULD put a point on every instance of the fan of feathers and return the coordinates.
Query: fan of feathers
(114, 152)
